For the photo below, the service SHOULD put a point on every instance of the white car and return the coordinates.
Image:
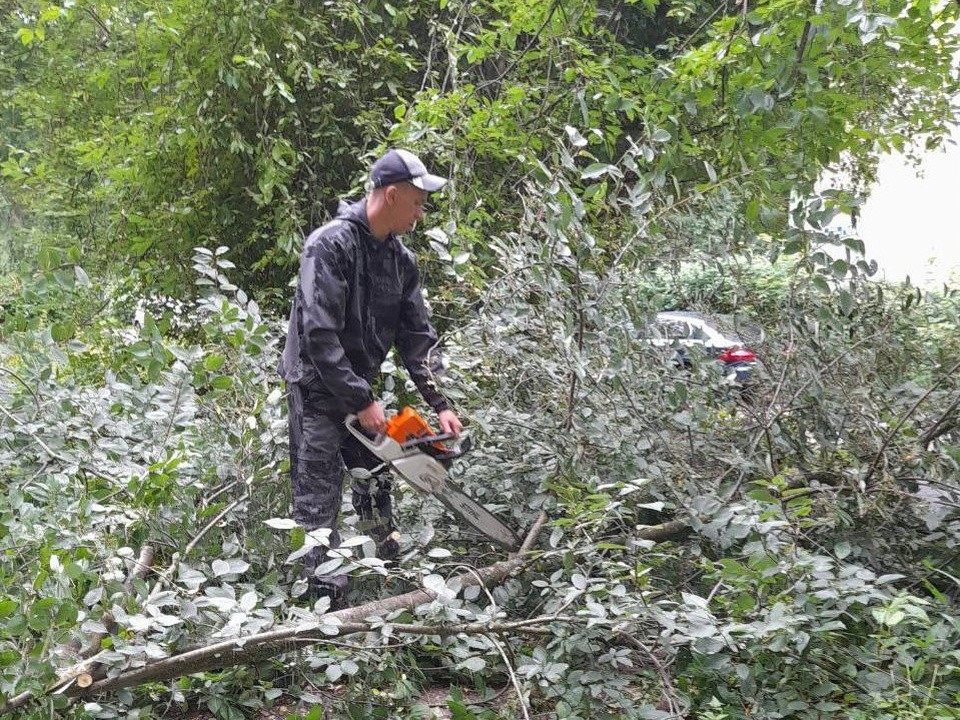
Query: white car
(682, 331)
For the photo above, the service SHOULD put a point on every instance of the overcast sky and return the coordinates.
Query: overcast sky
(909, 224)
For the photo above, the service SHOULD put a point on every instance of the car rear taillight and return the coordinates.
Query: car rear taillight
(737, 355)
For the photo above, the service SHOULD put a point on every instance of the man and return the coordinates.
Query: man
(358, 296)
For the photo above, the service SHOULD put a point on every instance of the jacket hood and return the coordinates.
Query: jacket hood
(355, 212)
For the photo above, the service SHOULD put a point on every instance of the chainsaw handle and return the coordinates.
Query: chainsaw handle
(353, 422)
(426, 440)
(460, 449)
(383, 446)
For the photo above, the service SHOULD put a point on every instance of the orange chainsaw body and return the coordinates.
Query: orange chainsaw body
(409, 425)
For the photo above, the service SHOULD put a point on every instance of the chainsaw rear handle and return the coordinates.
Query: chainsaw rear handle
(383, 446)
(458, 450)
(354, 422)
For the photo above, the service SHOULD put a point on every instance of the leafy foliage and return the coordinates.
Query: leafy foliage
(787, 552)
(778, 589)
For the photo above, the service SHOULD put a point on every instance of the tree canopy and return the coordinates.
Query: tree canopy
(143, 130)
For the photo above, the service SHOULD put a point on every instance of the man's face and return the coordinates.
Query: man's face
(408, 207)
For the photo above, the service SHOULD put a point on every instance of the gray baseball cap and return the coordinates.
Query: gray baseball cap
(398, 166)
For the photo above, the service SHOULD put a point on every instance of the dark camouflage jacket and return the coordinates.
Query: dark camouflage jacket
(356, 299)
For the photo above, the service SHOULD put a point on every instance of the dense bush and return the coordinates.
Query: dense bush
(787, 554)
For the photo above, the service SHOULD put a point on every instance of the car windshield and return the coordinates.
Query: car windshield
(739, 328)
(713, 329)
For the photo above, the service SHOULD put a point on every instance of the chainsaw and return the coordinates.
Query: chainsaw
(420, 456)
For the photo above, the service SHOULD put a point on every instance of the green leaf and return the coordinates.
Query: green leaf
(214, 363)
(233, 566)
(8, 607)
(597, 169)
(67, 613)
(846, 302)
(576, 138)
(62, 331)
(473, 664)
(842, 549)
(821, 284)
(435, 584)
(83, 280)
(315, 713)
(459, 711)
(711, 173)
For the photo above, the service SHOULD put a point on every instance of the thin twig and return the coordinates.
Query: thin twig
(941, 426)
(219, 491)
(36, 398)
(513, 676)
(668, 690)
(164, 577)
(896, 428)
(516, 60)
(691, 36)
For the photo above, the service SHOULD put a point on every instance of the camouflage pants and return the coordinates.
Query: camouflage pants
(320, 450)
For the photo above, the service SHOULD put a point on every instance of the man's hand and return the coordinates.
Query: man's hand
(372, 418)
(450, 423)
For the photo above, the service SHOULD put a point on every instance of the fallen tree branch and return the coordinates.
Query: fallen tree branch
(670, 530)
(896, 428)
(82, 673)
(945, 424)
(264, 645)
(534, 626)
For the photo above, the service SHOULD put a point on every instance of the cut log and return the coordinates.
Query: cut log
(671, 530)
